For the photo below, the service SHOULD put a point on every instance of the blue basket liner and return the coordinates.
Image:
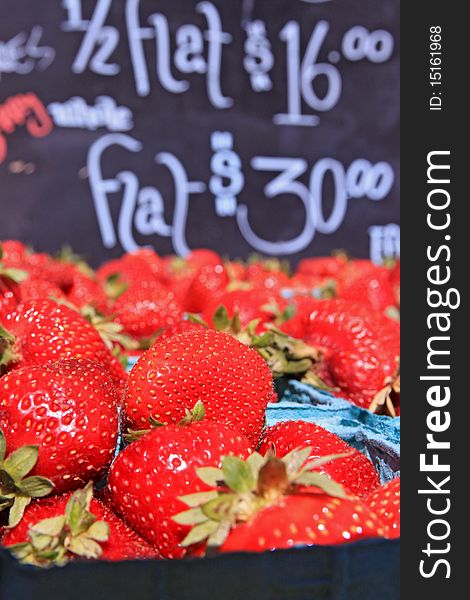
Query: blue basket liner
(378, 437)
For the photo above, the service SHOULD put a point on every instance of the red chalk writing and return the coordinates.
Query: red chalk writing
(23, 110)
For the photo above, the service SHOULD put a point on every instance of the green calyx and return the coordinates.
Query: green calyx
(56, 540)
(7, 352)
(243, 488)
(16, 275)
(67, 255)
(115, 286)
(109, 330)
(197, 413)
(17, 490)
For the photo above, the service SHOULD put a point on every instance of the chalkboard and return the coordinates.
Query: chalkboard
(267, 126)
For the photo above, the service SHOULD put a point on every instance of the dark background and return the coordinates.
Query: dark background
(54, 205)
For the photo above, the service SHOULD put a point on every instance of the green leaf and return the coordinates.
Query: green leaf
(256, 461)
(8, 487)
(20, 462)
(98, 531)
(296, 458)
(236, 324)
(4, 333)
(3, 445)
(199, 533)
(196, 319)
(77, 511)
(193, 516)
(210, 475)
(17, 510)
(84, 546)
(17, 275)
(35, 486)
(197, 413)
(330, 487)
(216, 539)
(20, 551)
(198, 498)
(238, 475)
(219, 508)
(51, 527)
(221, 319)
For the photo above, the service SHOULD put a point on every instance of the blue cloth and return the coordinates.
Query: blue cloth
(376, 436)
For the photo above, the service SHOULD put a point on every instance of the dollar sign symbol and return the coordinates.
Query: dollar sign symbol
(227, 180)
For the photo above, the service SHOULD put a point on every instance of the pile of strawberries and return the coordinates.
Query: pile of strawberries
(197, 472)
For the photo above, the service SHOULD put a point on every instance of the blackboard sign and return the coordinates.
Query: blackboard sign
(267, 126)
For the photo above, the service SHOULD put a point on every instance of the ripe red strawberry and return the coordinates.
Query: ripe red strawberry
(355, 472)
(368, 284)
(128, 270)
(143, 310)
(180, 327)
(265, 504)
(385, 503)
(10, 277)
(304, 520)
(148, 477)
(42, 331)
(232, 380)
(85, 290)
(151, 258)
(69, 409)
(250, 304)
(262, 277)
(14, 253)
(202, 257)
(325, 266)
(208, 283)
(43, 266)
(73, 527)
(361, 346)
(38, 289)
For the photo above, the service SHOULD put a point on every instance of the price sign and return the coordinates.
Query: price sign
(252, 125)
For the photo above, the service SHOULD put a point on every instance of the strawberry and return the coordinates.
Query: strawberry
(38, 289)
(263, 276)
(208, 282)
(385, 503)
(269, 503)
(145, 309)
(250, 304)
(361, 347)
(232, 381)
(202, 257)
(133, 268)
(42, 331)
(368, 284)
(43, 266)
(84, 290)
(354, 472)
(70, 410)
(10, 277)
(148, 477)
(180, 327)
(14, 253)
(325, 266)
(71, 527)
